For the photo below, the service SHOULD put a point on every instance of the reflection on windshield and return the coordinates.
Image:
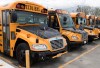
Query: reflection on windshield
(81, 21)
(30, 18)
(91, 22)
(98, 22)
(66, 21)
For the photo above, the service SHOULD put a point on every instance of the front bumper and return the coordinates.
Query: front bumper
(75, 44)
(49, 54)
(93, 36)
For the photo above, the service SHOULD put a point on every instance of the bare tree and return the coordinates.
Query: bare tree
(89, 10)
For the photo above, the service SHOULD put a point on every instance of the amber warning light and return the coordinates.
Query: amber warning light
(20, 6)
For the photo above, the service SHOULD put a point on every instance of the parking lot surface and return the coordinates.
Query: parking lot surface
(86, 57)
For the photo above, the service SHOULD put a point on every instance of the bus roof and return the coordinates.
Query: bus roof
(90, 16)
(24, 2)
(30, 6)
(78, 14)
(98, 18)
(59, 11)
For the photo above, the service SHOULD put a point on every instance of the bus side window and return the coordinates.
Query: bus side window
(53, 22)
(50, 21)
(74, 20)
(77, 21)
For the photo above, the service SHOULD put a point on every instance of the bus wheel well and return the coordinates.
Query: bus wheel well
(66, 37)
(68, 43)
(19, 40)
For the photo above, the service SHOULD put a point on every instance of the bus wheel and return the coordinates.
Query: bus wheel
(20, 53)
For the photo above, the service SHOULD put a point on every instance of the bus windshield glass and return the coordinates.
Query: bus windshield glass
(91, 22)
(66, 21)
(81, 21)
(98, 22)
(30, 18)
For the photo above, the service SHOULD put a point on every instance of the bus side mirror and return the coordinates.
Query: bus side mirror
(13, 17)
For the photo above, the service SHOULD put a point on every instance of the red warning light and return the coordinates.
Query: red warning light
(44, 11)
(20, 6)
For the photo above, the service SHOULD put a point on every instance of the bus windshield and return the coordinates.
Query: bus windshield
(30, 18)
(97, 22)
(66, 21)
(91, 22)
(81, 21)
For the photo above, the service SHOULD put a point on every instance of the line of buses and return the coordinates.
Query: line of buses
(45, 33)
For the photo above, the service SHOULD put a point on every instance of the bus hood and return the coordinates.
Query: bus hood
(88, 27)
(75, 30)
(43, 32)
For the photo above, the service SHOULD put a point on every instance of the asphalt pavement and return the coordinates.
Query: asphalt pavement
(86, 57)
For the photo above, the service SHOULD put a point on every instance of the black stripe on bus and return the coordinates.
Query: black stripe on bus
(0, 34)
(0, 44)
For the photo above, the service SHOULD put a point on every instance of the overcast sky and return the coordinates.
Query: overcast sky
(61, 3)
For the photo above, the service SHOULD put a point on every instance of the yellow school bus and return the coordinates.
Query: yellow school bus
(75, 16)
(97, 25)
(82, 22)
(62, 21)
(91, 22)
(23, 26)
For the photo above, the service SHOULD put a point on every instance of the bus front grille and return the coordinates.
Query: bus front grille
(56, 44)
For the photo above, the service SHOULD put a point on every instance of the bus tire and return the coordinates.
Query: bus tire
(20, 54)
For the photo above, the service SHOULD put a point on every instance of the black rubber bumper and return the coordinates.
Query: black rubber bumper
(92, 36)
(46, 54)
(76, 44)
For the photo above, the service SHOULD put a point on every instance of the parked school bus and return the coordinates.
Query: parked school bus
(97, 25)
(81, 22)
(62, 21)
(91, 21)
(23, 26)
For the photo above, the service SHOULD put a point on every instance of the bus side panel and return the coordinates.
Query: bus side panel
(13, 39)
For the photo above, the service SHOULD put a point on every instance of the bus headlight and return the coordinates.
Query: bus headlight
(39, 47)
(74, 38)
